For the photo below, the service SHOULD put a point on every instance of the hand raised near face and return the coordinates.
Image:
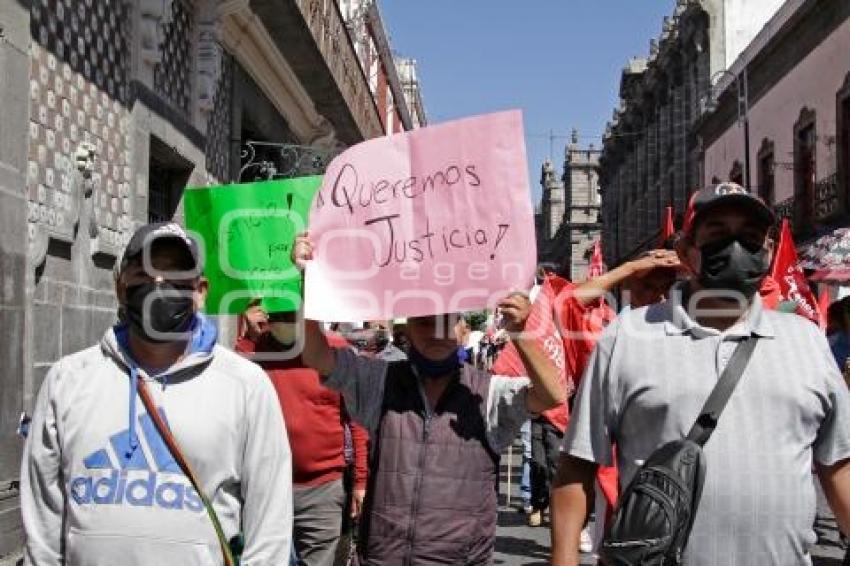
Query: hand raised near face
(302, 250)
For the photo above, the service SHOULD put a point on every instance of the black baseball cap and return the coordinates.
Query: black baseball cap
(707, 199)
(144, 238)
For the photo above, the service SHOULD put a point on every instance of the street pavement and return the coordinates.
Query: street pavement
(517, 544)
(520, 545)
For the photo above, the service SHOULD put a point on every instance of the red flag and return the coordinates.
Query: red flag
(668, 229)
(597, 266)
(541, 322)
(788, 274)
(823, 307)
(771, 294)
(580, 326)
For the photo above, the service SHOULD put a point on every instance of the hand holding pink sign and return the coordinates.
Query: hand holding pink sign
(431, 221)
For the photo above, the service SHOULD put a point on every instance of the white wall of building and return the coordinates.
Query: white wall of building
(813, 83)
(743, 20)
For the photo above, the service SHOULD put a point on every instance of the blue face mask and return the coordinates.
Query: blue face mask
(434, 369)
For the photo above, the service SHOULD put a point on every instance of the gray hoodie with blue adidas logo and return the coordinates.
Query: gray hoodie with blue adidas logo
(100, 487)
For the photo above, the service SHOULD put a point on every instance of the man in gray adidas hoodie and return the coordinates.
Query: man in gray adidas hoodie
(99, 485)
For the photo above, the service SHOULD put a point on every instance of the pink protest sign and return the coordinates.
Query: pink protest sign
(431, 221)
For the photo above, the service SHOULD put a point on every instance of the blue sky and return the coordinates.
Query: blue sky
(558, 60)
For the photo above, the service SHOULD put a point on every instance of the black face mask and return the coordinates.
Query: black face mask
(168, 312)
(731, 265)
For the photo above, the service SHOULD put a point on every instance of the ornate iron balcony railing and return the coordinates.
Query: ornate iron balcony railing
(827, 202)
(266, 160)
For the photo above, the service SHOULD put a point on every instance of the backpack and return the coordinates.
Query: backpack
(656, 512)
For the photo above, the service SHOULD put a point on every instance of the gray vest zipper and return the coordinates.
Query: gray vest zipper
(414, 510)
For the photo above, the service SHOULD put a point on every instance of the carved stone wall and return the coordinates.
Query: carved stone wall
(14, 272)
(78, 150)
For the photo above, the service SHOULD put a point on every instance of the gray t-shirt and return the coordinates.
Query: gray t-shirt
(645, 384)
(361, 382)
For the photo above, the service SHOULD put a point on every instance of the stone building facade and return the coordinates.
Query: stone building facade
(652, 157)
(569, 212)
(111, 108)
(412, 91)
(552, 203)
(797, 75)
(383, 72)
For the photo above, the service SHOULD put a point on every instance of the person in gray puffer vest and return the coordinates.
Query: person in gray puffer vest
(437, 427)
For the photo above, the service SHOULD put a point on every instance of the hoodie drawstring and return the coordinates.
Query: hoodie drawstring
(204, 339)
(133, 439)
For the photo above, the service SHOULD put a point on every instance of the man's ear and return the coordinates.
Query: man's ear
(201, 292)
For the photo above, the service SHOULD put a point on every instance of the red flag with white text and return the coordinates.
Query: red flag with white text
(597, 265)
(788, 274)
(541, 323)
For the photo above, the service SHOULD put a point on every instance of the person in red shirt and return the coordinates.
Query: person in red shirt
(316, 421)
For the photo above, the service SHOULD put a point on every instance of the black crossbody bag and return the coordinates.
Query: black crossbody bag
(656, 512)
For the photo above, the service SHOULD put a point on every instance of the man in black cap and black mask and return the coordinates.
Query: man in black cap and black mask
(654, 368)
(104, 480)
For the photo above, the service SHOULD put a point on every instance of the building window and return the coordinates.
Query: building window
(172, 77)
(805, 173)
(168, 175)
(766, 171)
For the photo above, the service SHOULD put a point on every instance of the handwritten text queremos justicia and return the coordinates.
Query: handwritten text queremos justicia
(349, 192)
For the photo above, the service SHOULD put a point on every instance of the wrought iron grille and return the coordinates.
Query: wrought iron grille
(827, 202)
(219, 125)
(91, 37)
(265, 160)
(172, 77)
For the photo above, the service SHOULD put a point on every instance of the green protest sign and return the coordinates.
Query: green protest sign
(246, 233)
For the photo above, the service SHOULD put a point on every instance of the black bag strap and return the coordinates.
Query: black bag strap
(716, 402)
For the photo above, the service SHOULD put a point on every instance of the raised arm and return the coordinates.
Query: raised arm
(359, 379)
(597, 287)
(318, 353)
(546, 390)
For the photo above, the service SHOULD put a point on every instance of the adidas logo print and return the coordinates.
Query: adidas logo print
(138, 480)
